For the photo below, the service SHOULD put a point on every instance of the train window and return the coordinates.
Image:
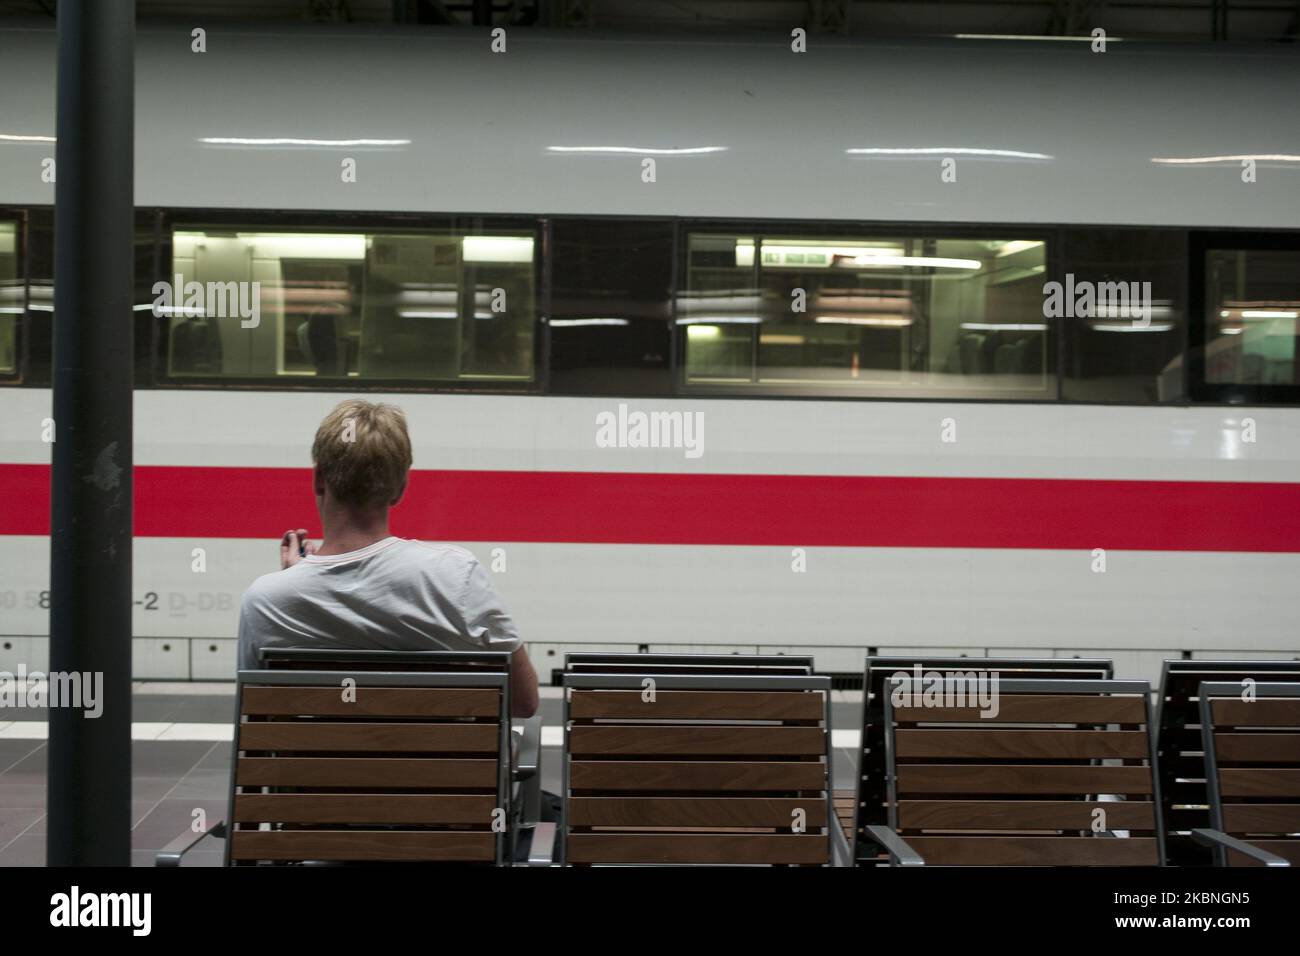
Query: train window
(38, 323)
(794, 313)
(37, 331)
(611, 307)
(350, 305)
(11, 298)
(1252, 317)
(1131, 349)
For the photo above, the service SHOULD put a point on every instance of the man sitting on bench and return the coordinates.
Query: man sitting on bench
(361, 587)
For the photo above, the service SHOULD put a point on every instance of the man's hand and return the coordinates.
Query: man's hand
(291, 544)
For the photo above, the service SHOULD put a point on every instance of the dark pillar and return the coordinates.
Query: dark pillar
(89, 799)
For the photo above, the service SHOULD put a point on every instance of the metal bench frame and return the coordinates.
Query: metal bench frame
(1215, 836)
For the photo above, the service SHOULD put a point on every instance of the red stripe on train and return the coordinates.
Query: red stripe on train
(790, 510)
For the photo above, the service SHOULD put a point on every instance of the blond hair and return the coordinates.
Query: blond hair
(362, 452)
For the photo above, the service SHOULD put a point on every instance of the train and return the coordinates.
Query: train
(706, 344)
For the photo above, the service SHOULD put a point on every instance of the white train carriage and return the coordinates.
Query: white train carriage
(704, 345)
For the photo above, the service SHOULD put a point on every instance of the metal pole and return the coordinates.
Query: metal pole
(89, 795)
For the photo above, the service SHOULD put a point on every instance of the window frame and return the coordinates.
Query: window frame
(173, 219)
(18, 216)
(1051, 235)
(1199, 391)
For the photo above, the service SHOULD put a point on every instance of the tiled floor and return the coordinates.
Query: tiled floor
(171, 778)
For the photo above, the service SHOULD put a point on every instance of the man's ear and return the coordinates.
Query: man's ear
(318, 483)
(398, 497)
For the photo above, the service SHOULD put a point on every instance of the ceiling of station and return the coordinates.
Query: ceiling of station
(1239, 20)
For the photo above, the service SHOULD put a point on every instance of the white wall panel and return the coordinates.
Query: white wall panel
(492, 432)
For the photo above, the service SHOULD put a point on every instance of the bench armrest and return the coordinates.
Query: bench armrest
(888, 838)
(841, 851)
(171, 854)
(542, 851)
(1221, 840)
(528, 756)
(526, 772)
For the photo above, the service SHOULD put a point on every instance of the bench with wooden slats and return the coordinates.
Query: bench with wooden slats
(709, 769)
(407, 767)
(1252, 756)
(870, 804)
(1047, 780)
(1180, 751)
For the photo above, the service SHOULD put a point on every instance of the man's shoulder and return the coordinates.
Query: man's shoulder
(434, 553)
(271, 585)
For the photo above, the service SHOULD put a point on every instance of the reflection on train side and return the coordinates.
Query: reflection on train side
(956, 315)
(375, 305)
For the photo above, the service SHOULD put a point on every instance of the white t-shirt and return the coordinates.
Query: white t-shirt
(394, 594)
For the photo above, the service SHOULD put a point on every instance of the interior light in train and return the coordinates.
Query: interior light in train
(720, 319)
(497, 249)
(886, 321)
(696, 332)
(915, 262)
(1018, 245)
(574, 323)
(1153, 327)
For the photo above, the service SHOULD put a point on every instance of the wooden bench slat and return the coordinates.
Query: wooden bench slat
(698, 705)
(388, 738)
(378, 808)
(1037, 708)
(1263, 712)
(646, 812)
(1035, 851)
(1261, 817)
(394, 845)
(1022, 814)
(375, 772)
(1259, 782)
(1275, 748)
(1016, 744)
(686, 775)
(794, 848)
(1016, 779)
(697, 740)
(372, 701)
